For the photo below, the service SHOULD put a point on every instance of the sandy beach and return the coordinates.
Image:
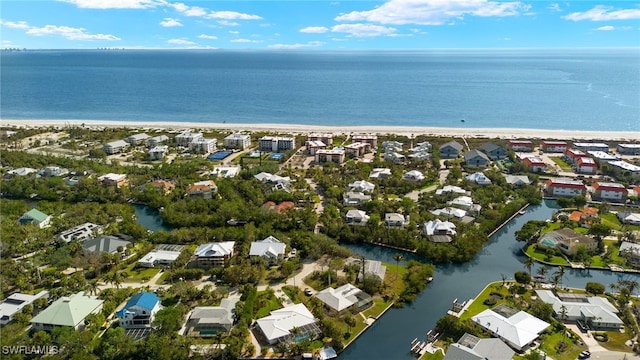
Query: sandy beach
(505, 133)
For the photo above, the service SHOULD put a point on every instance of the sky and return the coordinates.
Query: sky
(317, 24)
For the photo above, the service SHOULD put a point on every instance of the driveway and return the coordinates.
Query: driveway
(597, 351)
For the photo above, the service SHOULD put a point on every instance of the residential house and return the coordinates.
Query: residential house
(476, 158)
(373, 268)
(465, 202)
(392, 146)
(115, 147)
(206, 321)
(494, 151)
(226, 171)
(361, 186)
(607, 191)
(553, 146)
(15, 304)
(584, 217)
(567, 241)
(413, 175)
(187, 138)
(452, 189)
(343, 299)
(479, 178)
(271, 249)
(314, 146)
(67, 311)
(276, 143)
(602, 157)
(628, 149)
(333, 155)
(516, 328)
(450, 213)
(586, 165)
(278, 326)
(325, 138)
(629, 218)
(520, 145)
(422, 146)
(517, 180)
(372, 140)
(379, 173)
(79, 233)
(450, 150)
(588, 146)
(535, 164)
(439, 231)
(203, 145)
(158, 152)
(204, 189)
(623, 168)
(352, 198)
(595, 311)
(54, 171)
(111, 179)
(631, 252)
(213, 254)
(470, 347)
(157, 140)
(393, 156)
(357, 149)
(572, 155)
(163, 254)
(36, 217)
(278, 182)
(279, 208)
(237, 141)
(356, 217)
(422, 151)
(137, 139)
(140, 311)
(561, 187)
(23, 171)
(165, 186)
(105, 243)
(395, 220)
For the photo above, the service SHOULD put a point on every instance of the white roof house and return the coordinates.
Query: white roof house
(67, 311)
(277, 326)
(207, 320)
(396, 220)
(479, 178)
(226, 171)
(595, 310)
(343, 297)
(439, 227)
(355, 198)
(356, 217)
(15, 303)
(470, 347)
(378, 173)
(464, 202)
(361, 186)
(23, 171)
(375, 268)
(414, 175)
(629, 218)
(517, 328)
(162, 255)
(517, 180)
(270, 248)
(450, 212)
(451, 188)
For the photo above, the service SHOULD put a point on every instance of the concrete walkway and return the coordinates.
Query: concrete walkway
(597, 351)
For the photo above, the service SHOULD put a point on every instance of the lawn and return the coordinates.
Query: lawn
(616, 341)
(541, 255)
(266, 302)
(139, 274)
(611, 220)
(563, 165)
(550, 342)
(394, 277)
(478, 305)
(377, 308)
(438, 355)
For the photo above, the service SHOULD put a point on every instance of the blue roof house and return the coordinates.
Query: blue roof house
(140, 311)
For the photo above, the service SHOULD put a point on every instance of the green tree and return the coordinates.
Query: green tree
(522, 277)
(398, 258)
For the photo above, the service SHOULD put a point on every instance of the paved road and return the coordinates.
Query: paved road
(415, 195)
(597, 351)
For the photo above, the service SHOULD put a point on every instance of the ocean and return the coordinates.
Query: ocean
(569, 89)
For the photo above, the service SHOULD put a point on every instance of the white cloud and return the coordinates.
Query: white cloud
(114, 4)
(208, 37)
(433, 12)
(234, 32)
(363, 30)
(231, 15)
(69, 33)
(170, 22)
(296, 46)
(554, 7)
(227, 23)
(604, 13)
(605, 28)
(189, 10)
(181, 41)
(246, 41)
(15, 24)
(314, 30)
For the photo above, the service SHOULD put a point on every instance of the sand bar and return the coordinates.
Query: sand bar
(505, 133)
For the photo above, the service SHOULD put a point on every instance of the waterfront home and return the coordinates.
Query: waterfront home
(204, 189)
(372, 268)
(607, 191)
(79, 233)
(470, 347)
(137, 139)
(562, 187)
(628, 149)
(105, 243)
(36, 217)
(361, 186)
(15, 303)
(369, 139)
(203, 145)
(595, 311)
(187, 138)
(517, 329)
(356, 217)
(589, 146)
(343, 299)
(333, 155)
(629, 218)
(115, 147)
(479, 178)
(357, 149)
(395, 220)
(493, 151)
(380, 173)
(450, 150)
(276, 143)
(549, 146)
(111, 179)
(278, 326)
(164, 186)
(352, 198)
(586, 165)
(213, 254)
(572, 155)
(630, 252)
(567, 241)
(623, 168)
(68, 311)
(413, 175)
(585, 216)
(163, 254)
(206, 321)
(439, 231)
(517, 180)
(270, 249)
(157, 140)
(602, 157)
(158, 152)
(535, 164)
(314, 146)
(520, 145)
(237, 141)
(452, 189)
(140, 311)
(325, 138)
(476, 158)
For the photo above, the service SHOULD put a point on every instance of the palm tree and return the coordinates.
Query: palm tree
(398, 258)
(528, 264)
(92, 287)
(542, 271)
(560, 274)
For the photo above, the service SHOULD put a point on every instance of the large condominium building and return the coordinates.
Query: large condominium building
(276, 143)
(237, 141)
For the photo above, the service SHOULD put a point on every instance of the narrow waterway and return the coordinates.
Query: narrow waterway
(390, 336)
(150, 218)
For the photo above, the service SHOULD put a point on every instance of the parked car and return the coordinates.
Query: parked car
(308, 292)
(584, 355)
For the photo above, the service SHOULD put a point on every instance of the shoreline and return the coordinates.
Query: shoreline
(411, 131)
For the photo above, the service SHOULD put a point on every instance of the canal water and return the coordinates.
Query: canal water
(149, 218)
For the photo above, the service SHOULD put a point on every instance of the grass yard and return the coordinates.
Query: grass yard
(377, 308)
(563, 165)
(438, 355)
(550, 341)
(478, 305)
(266, 302)
(140, 274)
(611, 220)
(394, 277)
(616, 341)
(541, 255)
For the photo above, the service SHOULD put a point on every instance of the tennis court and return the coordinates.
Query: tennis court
(277, 156)
(219, 155)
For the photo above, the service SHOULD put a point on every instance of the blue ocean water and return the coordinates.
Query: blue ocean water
(574, 89)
